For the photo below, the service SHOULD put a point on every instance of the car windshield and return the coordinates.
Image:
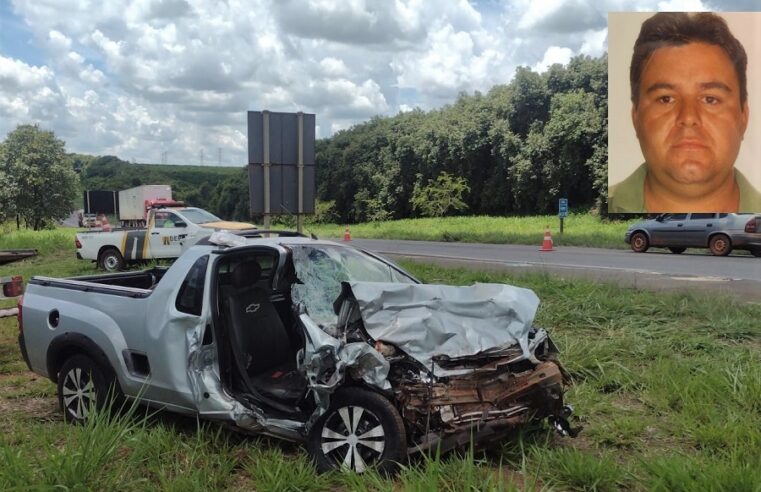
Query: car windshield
(322, 268)
(199, 216)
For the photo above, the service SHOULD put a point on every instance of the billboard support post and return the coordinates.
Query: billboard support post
(300, 167)
(266, 166)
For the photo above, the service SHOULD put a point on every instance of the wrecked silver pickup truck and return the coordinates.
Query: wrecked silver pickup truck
(301, 339)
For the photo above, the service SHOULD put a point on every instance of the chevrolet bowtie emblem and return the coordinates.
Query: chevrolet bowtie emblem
(252, 308)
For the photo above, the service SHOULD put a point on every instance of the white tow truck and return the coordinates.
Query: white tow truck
(170, 230)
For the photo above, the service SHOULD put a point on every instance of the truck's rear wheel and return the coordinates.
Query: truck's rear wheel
(111, 260)
(83, 385)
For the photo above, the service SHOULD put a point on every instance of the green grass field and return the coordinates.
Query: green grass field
(667, 387)
(578, 230)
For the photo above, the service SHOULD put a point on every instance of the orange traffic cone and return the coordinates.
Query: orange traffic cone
(547, 243)
(347, 234)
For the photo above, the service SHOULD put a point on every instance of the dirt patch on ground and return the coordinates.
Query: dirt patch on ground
(38, 408)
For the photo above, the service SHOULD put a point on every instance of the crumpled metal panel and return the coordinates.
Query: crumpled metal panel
(427, 320)
(214, 402)
(224, 238)
(326, 360)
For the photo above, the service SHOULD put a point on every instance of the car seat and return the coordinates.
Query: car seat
(259, 338)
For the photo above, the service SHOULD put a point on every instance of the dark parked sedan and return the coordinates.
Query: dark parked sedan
(721, 233)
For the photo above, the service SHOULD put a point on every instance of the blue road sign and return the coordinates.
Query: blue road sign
(563, 207)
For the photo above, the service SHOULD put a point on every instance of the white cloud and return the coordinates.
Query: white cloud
(452, 61)
(554, 54)
(595, 43)
(564, 16)
(682, 6)
(58, 43)
(333, 67)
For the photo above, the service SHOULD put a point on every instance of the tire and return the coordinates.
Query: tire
(82, 386)
(111, 260)
(720, 245)
(372, 416)
(677, 251)
(756, 252)
(639, 242)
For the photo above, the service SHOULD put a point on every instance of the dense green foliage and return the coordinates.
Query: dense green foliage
(439, 196)
(519, 148)
(221, 190)
(37, 182)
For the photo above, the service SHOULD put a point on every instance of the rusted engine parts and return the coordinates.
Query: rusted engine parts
(449, 411)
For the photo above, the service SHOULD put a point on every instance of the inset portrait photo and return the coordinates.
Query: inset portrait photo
(684, 103)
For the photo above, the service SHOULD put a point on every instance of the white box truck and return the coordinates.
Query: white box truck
(133, 202)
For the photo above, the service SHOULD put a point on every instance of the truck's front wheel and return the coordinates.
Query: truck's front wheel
(111, 260)
(361, 429)
(83, 386)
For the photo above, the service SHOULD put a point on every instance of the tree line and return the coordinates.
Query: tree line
(514, 150)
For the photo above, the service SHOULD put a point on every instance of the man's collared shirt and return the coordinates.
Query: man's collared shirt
(628, 196)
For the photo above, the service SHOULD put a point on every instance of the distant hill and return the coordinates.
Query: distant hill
(221, 190)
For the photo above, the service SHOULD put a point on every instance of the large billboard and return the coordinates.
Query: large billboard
(281, 164)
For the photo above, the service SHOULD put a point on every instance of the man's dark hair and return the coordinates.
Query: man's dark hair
(679, 28)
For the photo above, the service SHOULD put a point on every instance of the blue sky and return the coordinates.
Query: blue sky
(16, 39)
(142, 77)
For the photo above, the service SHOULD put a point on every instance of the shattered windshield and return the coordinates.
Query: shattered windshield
(322, 268)
(199, 216)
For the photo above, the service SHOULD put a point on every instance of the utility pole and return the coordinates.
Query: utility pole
(202, 157)
(219, 156)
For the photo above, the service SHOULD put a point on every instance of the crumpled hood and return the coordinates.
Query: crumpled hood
(429, 320)
(228, 225)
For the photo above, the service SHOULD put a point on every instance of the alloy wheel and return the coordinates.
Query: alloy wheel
(353, 437)
(78, 393)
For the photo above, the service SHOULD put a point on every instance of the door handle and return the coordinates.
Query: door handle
(709, 225)
(679, 225)
(155, 233)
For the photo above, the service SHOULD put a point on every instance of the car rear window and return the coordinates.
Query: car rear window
(702, 216)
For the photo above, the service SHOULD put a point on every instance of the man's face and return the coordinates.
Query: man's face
(689, 119)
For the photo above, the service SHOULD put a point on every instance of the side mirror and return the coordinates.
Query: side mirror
(660, 218)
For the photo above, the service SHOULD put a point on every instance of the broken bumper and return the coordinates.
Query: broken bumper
(483, 407)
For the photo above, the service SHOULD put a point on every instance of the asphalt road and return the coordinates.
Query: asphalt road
(657, 269)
